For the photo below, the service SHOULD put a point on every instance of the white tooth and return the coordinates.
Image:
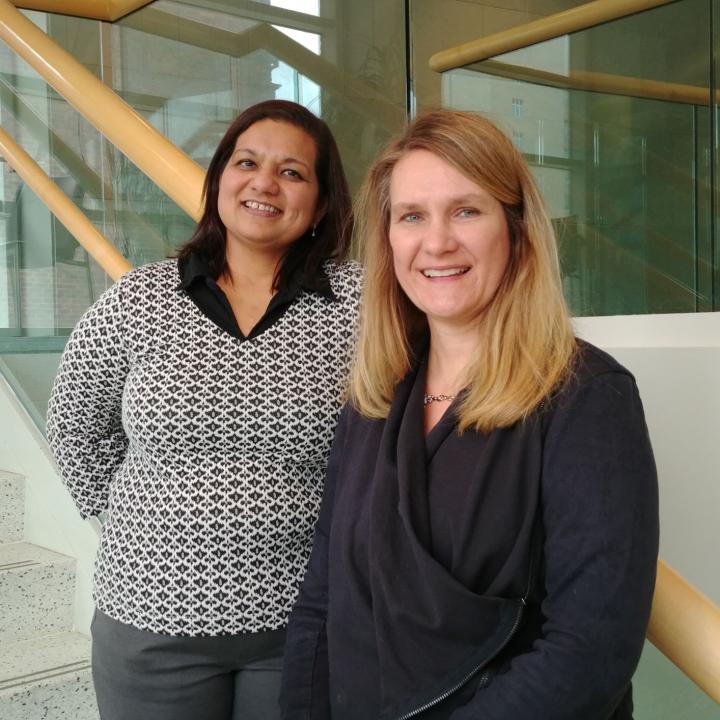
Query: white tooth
(253, 205)
(444, 273)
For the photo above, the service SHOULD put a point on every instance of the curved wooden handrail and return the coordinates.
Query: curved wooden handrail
(97, 245)
(685, 626)
(562, 23)
(108, 10)
(173, 171)
(602, 83)
(640, 87)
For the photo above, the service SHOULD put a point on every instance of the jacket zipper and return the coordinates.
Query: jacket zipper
(483, 680)
(486, 676)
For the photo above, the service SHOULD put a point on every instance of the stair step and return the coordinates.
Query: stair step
(37, 591)
(12, 506)
(47, 677)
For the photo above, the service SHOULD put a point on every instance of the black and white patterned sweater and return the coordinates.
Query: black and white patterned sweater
(207, 452)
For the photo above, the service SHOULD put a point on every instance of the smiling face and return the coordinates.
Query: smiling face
(268, 191)
(449, 238)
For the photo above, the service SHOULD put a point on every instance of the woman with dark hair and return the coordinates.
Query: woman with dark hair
(195, 405)
(487, 542)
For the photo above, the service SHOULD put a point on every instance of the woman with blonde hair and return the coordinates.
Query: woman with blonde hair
(487, 541)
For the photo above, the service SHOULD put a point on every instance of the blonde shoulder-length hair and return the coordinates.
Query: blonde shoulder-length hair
(525, 340)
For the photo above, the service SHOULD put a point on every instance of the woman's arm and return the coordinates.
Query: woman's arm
(84, 414)
(600, 516)
(305, 693)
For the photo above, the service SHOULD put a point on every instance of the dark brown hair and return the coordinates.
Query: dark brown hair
(333, 232)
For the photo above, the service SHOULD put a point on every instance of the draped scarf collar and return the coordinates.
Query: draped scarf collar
(432, 632)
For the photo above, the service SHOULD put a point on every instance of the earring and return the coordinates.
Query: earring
(312, 234)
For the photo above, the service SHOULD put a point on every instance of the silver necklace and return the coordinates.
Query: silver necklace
(437, 398)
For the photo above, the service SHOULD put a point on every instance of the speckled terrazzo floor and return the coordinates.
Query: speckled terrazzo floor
(47, 678)
(37, 589)
(43, 657)
(12, 507)
(44, 668)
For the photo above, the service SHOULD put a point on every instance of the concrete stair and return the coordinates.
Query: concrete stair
(44, 666)
(12, 507)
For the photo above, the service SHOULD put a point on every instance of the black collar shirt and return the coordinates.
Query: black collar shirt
(197, 281)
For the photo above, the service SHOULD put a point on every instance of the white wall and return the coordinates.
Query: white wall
(676, 361)
(51, 519)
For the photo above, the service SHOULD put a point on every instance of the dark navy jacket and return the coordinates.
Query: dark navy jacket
(505, 576)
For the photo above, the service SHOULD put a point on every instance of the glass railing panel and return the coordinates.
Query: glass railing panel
(47, 280)
(30, 371)
(190, 67)
(662, 692)
(616, 123)
(128, 208)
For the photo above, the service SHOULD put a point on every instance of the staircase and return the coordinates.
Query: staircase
(44, 666)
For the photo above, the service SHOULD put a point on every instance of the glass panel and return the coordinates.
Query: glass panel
(31, 374)
(188, 68)
(616, 125)
(46, 279)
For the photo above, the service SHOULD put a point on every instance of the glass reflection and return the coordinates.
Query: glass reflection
(619, 140)
(188, 68)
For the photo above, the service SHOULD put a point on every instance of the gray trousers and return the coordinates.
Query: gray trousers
(141, 675)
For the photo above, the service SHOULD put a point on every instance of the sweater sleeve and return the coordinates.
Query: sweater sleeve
(84, 413)
(305, 685)
(600, 516)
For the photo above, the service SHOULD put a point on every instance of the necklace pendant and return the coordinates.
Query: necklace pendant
(427, 399)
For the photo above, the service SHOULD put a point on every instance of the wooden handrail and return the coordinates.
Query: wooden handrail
(569, 21)
(640, 87)
(108, 10)
(97, 245)
(173, 171)
(602, 83)
(685, 626)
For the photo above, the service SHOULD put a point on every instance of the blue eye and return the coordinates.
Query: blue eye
(410, 218)
(468, 212)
